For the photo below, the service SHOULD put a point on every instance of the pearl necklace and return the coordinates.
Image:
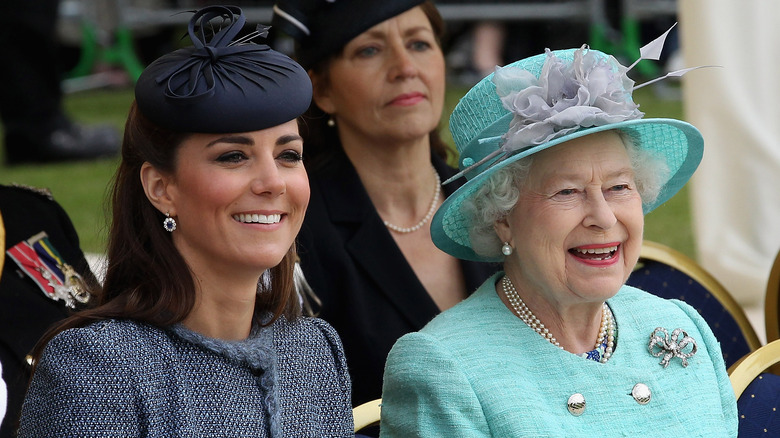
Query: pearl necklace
(428, 216)
(606, 336)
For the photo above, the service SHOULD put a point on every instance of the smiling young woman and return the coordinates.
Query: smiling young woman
(198, 325)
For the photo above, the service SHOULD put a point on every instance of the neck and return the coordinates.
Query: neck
(574, 326)
(398, 179)
(224, 303)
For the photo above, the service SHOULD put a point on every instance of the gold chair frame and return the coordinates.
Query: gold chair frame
(367, 414)
(749, 367)
(664, 254)
(771, 321)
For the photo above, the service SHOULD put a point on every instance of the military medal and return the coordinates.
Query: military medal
(38, 258)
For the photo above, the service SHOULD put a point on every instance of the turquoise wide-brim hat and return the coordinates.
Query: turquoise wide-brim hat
(480, 124)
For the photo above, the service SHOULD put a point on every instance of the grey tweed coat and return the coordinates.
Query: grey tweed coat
(122, 378)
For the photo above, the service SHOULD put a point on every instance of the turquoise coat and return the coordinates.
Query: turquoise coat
(477, 370)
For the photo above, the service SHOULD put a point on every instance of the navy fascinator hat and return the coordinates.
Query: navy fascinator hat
(323, 27)
(222, 84)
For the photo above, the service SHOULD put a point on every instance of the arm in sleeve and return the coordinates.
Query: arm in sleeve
(426, 394)
(728, 400)
(80, 389)
(341, 392)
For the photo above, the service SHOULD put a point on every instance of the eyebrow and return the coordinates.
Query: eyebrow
(626, 171)
(248, 141)
(235, 139)
(289, 138)
(375, 33)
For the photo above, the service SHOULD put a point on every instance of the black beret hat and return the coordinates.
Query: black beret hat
(323, 27)
(220, 85)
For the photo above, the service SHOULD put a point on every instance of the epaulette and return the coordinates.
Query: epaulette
(37, 190)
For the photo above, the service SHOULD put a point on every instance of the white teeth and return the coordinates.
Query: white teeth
(597, 250)
(258, 218)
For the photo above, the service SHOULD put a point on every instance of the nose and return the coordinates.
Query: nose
(268, 179)
(402, 63)
(598, 212)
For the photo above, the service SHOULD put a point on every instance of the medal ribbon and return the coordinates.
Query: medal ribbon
(30, 263)
(48, 255)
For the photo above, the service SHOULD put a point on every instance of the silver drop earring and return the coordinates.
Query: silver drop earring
(169, 223)
(506, 249)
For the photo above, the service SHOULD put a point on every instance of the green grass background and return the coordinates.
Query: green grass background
(81, 187)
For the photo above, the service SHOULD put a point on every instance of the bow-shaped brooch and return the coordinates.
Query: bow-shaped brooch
(661, 344)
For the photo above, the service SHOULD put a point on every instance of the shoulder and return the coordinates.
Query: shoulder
(474, 327)
(641, 301)
(109, 340)
(111, 330)
(470, 314)
(307, 334)
(30, 192)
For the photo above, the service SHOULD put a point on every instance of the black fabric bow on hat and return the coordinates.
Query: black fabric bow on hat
(222, 84)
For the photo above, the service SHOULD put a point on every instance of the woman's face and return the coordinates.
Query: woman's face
(239, 199)
(388, 82)
(577, 226)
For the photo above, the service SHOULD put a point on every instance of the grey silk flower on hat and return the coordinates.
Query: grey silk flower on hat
(590, 91)
(572, 90)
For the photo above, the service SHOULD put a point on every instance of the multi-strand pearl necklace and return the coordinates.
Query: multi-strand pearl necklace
(606, 336)
(428, 216)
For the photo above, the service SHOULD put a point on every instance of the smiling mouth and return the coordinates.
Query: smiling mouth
(258, 218)
(604, 253)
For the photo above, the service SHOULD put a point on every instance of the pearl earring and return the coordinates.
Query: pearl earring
(506, 249)
(169, 223)
(331, 122)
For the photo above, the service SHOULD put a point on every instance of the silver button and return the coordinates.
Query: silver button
(641, 393)
(576, 404)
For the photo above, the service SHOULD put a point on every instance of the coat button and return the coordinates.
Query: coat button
(641, 393)
(576, 404)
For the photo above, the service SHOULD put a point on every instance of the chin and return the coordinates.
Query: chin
(602, 289)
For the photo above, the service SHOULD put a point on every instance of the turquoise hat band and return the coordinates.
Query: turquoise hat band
(678, 143)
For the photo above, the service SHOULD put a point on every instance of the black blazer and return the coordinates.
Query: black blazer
(25, 313)
(369, 292)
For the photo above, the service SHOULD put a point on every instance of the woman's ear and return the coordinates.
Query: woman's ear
(321, 93)
(503, 231)
(157, 188)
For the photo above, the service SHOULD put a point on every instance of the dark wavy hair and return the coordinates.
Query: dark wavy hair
(147, 279)
(323, 142)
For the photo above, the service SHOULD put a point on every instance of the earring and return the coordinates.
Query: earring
(169, 223)
(506, 249)
(331, 122)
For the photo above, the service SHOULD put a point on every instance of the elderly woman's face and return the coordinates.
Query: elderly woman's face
(577, 226)
(388, 83)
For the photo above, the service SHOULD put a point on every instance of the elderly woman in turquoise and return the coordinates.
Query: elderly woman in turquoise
(561, 169)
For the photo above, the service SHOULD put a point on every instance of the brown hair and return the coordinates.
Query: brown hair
(147, 279)
(323, 142)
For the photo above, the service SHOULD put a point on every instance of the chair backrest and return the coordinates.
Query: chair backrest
(758, 393)
(670, 274)
(367, 414)
(772, 302)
